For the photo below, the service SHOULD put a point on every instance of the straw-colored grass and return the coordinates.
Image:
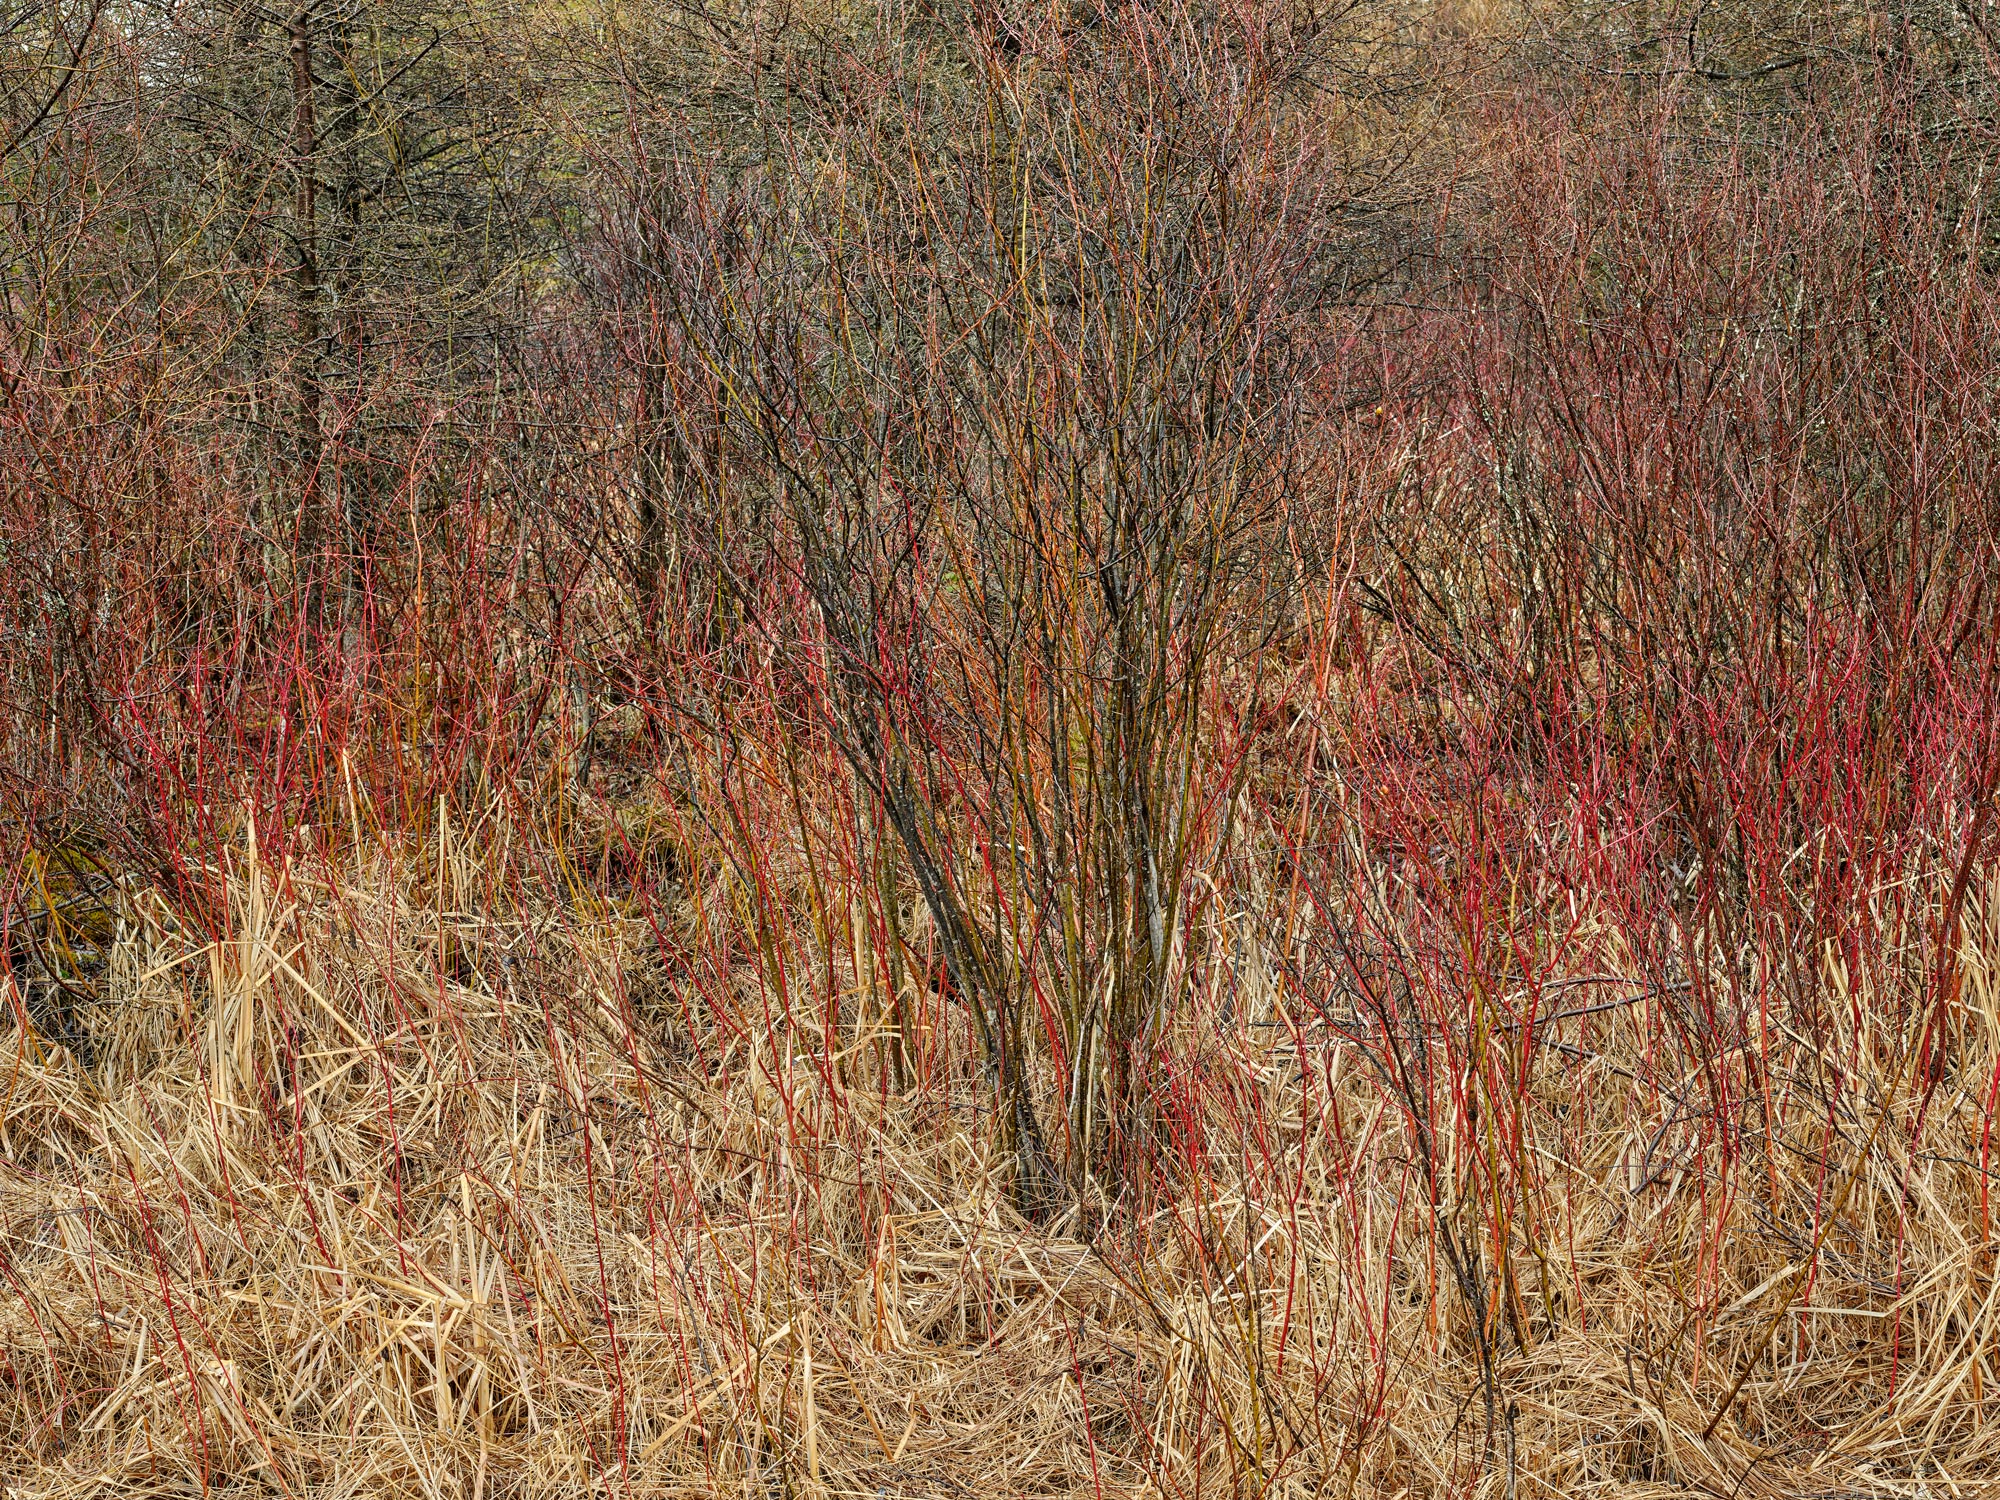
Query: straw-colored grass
(399, 1191)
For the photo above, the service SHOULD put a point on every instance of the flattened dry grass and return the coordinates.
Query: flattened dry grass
(406, 1190)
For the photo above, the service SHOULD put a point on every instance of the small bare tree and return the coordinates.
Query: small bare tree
(1016, 324)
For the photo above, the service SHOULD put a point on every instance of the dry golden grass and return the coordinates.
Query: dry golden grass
(520, 1218)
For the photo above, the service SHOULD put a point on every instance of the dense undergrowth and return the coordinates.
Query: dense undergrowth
(1134, 753)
